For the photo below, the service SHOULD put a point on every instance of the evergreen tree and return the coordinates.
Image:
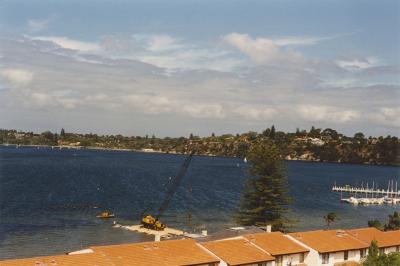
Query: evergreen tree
(375, 223)
(394, 222)
(272, 132)
(264, 198)
(376, 259)
(62, 133)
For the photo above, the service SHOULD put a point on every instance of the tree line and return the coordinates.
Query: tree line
(325, 145)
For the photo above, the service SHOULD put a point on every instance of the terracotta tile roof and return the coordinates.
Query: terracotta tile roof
(169, 252)
(384, 239)
(62, 260)
(237, 251)
(329, 240)
(276, 243)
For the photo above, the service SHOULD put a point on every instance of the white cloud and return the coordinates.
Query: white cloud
(298, 41)
(358, 63)
(262, 50)
(128, 90)
(17, 77)
(36, 25)
(388, 116)
(213, 111)
(256, 113)
(323, 113)
(66, 43)
(162, 43)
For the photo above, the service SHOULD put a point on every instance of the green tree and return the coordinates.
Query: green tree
(62, 133)
(272, 132)
(375, 223)
(264, 199)
(376, 259)
(394, 222)
(330, 218)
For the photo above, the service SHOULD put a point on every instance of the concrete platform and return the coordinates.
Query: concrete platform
(167, 232)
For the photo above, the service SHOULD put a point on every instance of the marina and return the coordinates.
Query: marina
(369, 195)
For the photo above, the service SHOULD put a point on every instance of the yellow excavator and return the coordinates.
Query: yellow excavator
(153, 223)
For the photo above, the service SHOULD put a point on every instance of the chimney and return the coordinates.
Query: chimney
(204, 233)
(268, 228)
(157, 238)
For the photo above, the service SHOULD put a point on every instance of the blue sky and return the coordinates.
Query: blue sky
(176, 67)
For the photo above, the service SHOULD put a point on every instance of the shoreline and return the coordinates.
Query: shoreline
(60, 147)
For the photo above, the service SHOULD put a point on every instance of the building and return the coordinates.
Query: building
(285, 250)
(331, 247)
(238, 246)
(166, 253)
(62, 260)
(386, 241)
(239, 251)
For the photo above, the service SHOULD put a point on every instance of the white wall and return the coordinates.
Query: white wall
(311, 258)
(336, 257)
(292, 258)
(390, 250)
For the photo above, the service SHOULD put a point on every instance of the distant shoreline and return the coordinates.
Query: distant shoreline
(164, 152)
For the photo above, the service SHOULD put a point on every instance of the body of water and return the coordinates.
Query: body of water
(49, 198)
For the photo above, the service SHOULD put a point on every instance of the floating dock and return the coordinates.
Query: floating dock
(166, 233)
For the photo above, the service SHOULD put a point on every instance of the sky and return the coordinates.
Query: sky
(176, 67)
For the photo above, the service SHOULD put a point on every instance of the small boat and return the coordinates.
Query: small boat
(105, 214)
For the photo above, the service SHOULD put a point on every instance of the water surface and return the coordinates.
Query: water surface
(49, 198)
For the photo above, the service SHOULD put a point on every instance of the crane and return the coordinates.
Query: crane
(154, 223)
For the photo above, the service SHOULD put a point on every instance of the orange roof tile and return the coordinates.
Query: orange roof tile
(237, 251)
(276, 243)
(91, 259)
(170, 252)
(384, 239)
(329, 241)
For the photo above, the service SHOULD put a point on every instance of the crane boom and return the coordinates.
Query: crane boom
(174, 186)
(153, 223)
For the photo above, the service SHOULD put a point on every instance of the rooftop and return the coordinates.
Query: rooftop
(237, 251)
(276, 243)
(173, 252)
(384, 239)
(329, 240)
(62, 260)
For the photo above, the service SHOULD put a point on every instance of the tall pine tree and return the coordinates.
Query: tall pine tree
(264, 199)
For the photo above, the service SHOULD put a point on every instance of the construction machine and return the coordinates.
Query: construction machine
(154, 223)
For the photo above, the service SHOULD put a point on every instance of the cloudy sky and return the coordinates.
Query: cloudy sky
(177, 67)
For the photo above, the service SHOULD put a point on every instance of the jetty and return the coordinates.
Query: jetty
(370, 195)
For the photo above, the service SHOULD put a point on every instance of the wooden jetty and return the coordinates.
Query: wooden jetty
(368, 195)
(392, 190)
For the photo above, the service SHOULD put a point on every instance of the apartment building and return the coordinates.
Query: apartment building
(285, 250)
(239, 251)
(312, 248)
(330, 247)
(165, 253)
(386, 241)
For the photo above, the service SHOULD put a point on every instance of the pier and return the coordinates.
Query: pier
(370, 195)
